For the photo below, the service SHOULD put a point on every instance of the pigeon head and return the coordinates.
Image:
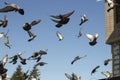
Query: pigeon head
(21, 11)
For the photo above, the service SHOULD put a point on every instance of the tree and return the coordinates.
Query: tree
(18, 74)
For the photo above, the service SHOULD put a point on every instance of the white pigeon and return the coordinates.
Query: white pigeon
(59, 35)
(5, 59)
(83, 19)
(106, 73)
(12, 7)
(1, 35)
(92, 38)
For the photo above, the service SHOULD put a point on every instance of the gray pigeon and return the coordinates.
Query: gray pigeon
(6, 40)
(12, 7)
(72, 77)
(80, 33)
(40, 64)
(77, 58)
(62, 19)
(27, 27)
(107, 74)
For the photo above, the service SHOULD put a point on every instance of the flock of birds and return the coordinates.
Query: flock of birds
(60, 20)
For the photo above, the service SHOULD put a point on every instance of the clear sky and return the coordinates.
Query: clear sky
(60, 53)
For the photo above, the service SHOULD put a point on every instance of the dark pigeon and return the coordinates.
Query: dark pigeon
(4, 22)
(27, 27)
(94, 70)
(62, 19)
(12, 7)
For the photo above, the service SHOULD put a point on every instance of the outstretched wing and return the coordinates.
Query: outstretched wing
(56, 16)
(35, 22)
(55, 20)
(90, 37)
(68, 14)
(1, 35)
(7, 9)
(106, 73)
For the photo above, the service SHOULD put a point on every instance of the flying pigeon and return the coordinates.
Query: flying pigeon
(6, 39)
(77, 58)
(107, 74)
(92, 38)
(40, 64)
(4, 22)
(111, 4)
(15, 58)
(23, 60)
(27, 27)
(4, 60)
(72, 77)
(59, 35)
(63, 19)
(94, 70)
(107, 61)
(83, 19)
(12, 7)
(80, 33)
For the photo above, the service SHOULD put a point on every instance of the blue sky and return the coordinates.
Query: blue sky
(60, 53)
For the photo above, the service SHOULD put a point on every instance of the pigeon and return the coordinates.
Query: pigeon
(2, 64)
(23, 60)
(80, 33)
(63, 18)
(83, 19)
(111, 4)
(92, 38)
(107, 74)
(72, 77)
(77, 58)
(94, 70)
(6, 39)
(40, 64)
(27, 27)
(59, 35)
(12, 7)
(42, 52)
(15, 58)
(4, 60)
(5, 22)
(107, 61)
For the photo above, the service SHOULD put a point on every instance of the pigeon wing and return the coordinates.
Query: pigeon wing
(68, 14)
(55, 20)
(7, 9)
(68, 76)
(4, 60)
(1, 35)
(35, 22)
(90, 37)
(56, 16)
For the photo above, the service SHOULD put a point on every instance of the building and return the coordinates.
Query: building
(112, 26)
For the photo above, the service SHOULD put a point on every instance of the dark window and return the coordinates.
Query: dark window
(117, 11)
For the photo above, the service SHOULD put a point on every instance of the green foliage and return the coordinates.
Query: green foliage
(18, 74)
